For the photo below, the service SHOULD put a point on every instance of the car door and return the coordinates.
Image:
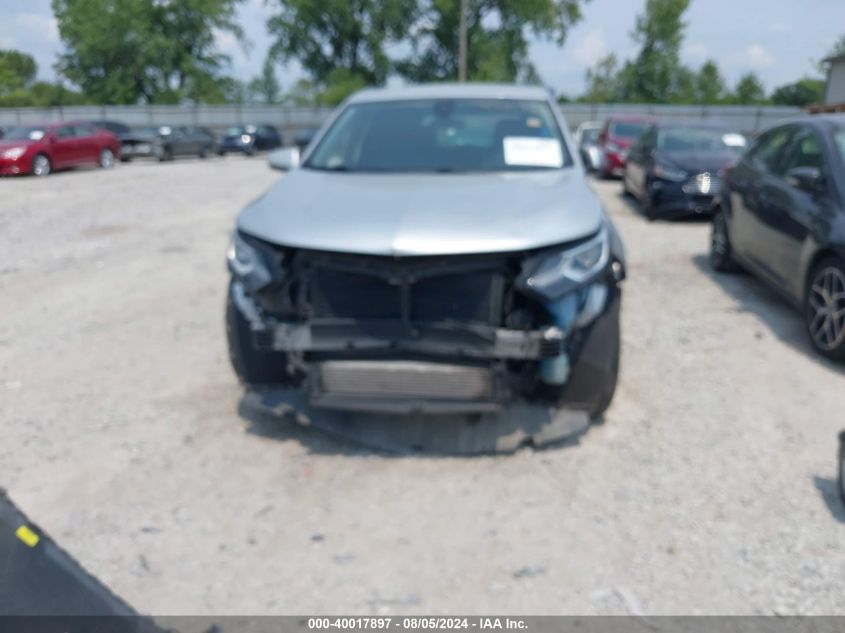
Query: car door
(88, 145)
(748, 179)
(787, 213)
(64, 149)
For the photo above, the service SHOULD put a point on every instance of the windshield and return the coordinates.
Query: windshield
(442, 135)
(590, 135)
(840, 143)
(24, 133)
(698, 139)
(237, 130)
(628, 130)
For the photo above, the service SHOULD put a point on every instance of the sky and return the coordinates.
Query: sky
(780, 40)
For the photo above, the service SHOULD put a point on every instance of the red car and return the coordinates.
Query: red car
(41, 149)
(618, 134)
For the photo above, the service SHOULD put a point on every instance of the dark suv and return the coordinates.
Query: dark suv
(782, 216)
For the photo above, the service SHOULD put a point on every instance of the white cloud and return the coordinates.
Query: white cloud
(44, 27)
(591, 47)
(758, 56)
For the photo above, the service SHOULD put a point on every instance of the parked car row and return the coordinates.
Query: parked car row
(42, 149)
(777, 205)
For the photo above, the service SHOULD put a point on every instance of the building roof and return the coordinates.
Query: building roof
(451, 91)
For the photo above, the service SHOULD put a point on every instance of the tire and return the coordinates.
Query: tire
(252, 366)
(841, 467)
(721, 251)
(41, 165)
(647, 204)
(824, 308)
(106, 158)
(125, 159)
(165, 154)
(203, 153)
(610, 386)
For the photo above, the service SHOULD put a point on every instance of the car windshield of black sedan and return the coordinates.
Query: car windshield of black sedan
(698, 139)
(24, 133)
(443, 135)
(627, 129)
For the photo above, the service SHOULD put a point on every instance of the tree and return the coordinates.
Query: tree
(496, 36)
(340, 36)
(603, 81)
(265, 87)
(749, 91)
(154, 51)
(653, 76)
(802, 93)
(17, 71)
(709, 85)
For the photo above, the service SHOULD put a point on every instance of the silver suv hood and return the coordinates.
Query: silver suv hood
(424, 214)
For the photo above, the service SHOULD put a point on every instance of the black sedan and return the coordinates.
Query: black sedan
(248, 139)
(674, 169)
(166, 142)
(782, 216)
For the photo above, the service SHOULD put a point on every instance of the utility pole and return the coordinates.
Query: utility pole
(462, 42)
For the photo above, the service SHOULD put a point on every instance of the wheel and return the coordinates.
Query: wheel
(252, 366)
(41, 165)
(125, 159)
(824, 308)
(106, 158)
(625, 190)
(610, 386)
(203, 153)
(164, 153)
(841, 478)
(647, 203)
(721, 252)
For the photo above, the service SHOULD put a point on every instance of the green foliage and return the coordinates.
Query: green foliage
(603, 81)
(17, 71)
(802, 93)
(710, 86)
(496, 36)
(154, 51)
(653, 77)
(265, 87)
(749, 91)
(327, 35)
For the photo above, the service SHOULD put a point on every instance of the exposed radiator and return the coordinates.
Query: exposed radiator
(405, 379)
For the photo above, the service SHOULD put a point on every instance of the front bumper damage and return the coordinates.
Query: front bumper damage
(443, 357)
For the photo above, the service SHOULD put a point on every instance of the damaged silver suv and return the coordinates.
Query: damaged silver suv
(435, 250)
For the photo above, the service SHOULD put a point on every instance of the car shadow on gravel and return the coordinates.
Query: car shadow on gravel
(829, 490)
(283, 415)
(757, 298)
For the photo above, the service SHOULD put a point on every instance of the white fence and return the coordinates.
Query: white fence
(741, 118)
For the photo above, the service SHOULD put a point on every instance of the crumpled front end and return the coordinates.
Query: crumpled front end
(436, 335)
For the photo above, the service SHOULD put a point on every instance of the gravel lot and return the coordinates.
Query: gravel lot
(708, 489)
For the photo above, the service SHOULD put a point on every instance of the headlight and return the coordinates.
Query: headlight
(245, 138)
(15, 152)
(250, 264)
(559, 272)
(670, 173)
(241, 257)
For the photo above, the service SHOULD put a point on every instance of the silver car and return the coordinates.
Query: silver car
(435, 250)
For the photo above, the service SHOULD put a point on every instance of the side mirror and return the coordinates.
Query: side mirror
(808, 179)
(284, 159)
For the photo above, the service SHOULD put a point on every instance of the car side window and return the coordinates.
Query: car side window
(804, 151)
(66, 131)
(83, 130)
(767, 152)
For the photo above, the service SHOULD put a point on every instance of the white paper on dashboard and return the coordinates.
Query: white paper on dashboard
(530, 151)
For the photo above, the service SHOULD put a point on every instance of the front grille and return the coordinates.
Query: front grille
(420, 292)
(704, 183)
(405, 379)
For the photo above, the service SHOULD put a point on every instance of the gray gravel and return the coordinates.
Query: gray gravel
(709, 488)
